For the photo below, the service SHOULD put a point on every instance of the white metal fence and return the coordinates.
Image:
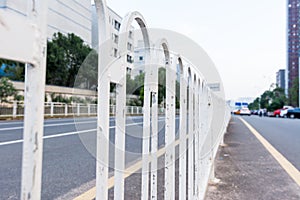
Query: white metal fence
(55, 109)
(203, 114)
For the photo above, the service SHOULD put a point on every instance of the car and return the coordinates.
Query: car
(236, 111)
(293, 113)
(277, 113)
(284, 110)
(245, 111)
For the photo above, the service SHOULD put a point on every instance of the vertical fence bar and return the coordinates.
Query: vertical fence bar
(154, 146)
(51, 109)
(120, 139)
(34, 100)
(170, 130)
(89, 109)
(196, 146)
(78, 109)
(146, 135)
(182, 134)
(66, 109)
(154, 129)
(191, 138)
(103, 102)
(15, 108)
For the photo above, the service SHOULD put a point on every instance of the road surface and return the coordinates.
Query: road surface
(283, 134)
(69, 165)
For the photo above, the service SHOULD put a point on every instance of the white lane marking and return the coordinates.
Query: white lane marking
(48, 125)
(74, 121)
(67, 134)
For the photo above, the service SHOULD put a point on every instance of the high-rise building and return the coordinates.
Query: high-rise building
(280, 78)
(292, 71)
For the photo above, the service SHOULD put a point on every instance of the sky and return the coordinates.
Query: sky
(246, 39)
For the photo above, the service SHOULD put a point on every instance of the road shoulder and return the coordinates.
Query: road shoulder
(248, 171)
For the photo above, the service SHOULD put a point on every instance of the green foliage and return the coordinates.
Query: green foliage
(255, 104)
(271, 100)
(65, 55)
(294, 93)
(87, 77)
(19, 98)
(161, 85)
(6, 89)
(14, 70)
(279, 99)
(61, 99)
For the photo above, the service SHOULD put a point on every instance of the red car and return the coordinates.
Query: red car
(277, 112)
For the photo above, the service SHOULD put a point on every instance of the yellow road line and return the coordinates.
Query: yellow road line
(91, 194)
(285, 164)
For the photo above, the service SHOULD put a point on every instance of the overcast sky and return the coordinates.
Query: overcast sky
(245, 38)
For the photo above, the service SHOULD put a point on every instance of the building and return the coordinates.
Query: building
(65, 16)
(292, 71)
(280, 78)
(115, 24)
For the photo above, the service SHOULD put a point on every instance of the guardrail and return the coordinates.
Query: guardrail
(55, 109)
(203, 114)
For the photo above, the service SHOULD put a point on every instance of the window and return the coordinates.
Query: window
(129, 59)
(129, 46)
(141, 58)
(128, 70)
(117, 25)
(116, 39)
(115, 52)
(130, 35)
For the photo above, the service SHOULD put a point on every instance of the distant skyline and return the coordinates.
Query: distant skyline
(245, 39)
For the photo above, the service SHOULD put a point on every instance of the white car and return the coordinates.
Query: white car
(283, 112)
(245, 111)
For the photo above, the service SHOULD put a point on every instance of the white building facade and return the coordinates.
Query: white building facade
(65, 16)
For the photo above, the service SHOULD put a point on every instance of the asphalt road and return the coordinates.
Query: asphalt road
(68, 158)
(283, 134)
(246, 169)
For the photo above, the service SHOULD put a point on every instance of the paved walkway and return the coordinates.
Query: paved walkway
(248, 171)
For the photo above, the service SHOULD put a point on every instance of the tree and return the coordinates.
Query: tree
(87, 76)
(279, 99)
(255, 104)
(14, 70)
(6, 89)
(294, 93)
(272, 99)
(65, 55)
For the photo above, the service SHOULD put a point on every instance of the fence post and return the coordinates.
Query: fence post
(182, 135)
(191, 140)
(120, 138)
(66, 109)
(15, 107)
(78, 109)
(51, 109)
(34, 93)
(103, 96)
(89, 109)
(170, 130)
